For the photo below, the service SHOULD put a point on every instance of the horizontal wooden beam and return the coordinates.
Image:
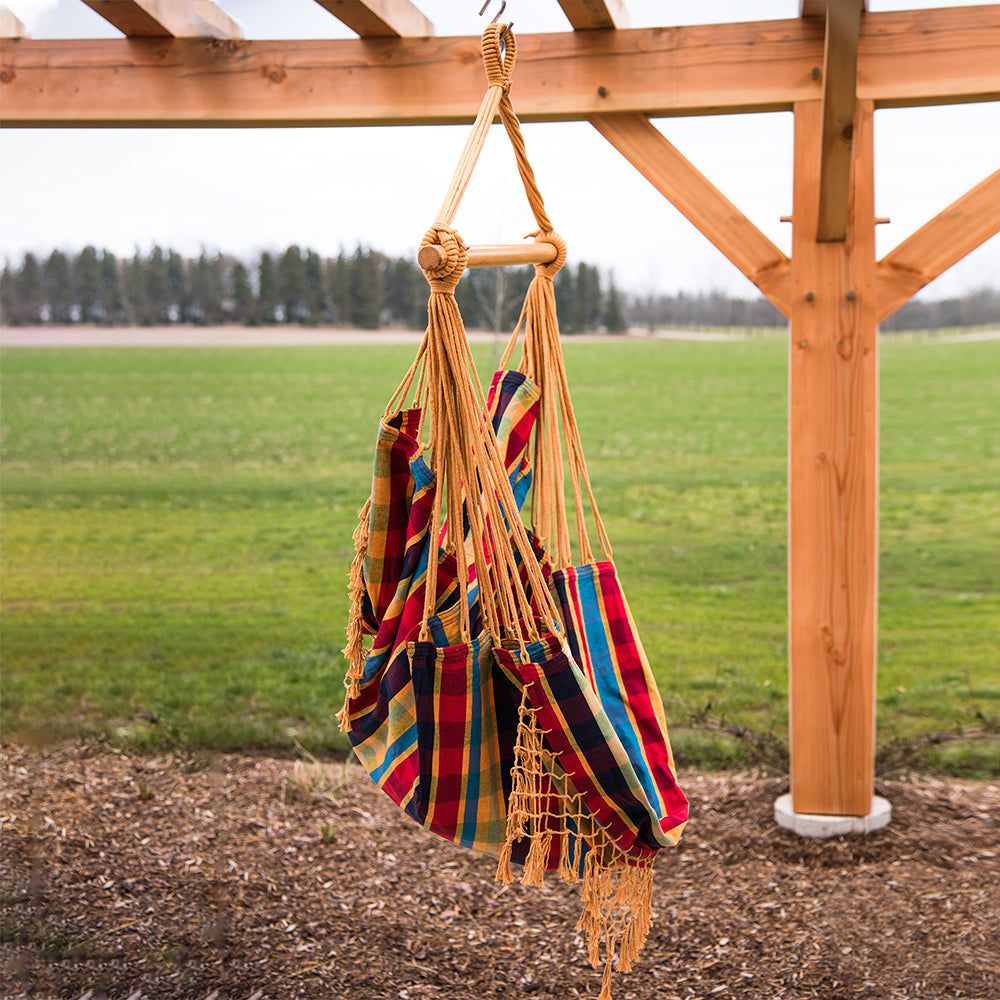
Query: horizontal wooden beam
(840, 78)
(910, 58)
(954, 232)
(167, 18)
(568, 76)
(380, 18)
(587, 14)
(695, 197)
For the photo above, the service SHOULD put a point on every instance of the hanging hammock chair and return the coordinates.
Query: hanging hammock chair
(505, 701)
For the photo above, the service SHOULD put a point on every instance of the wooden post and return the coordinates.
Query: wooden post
(833, 484)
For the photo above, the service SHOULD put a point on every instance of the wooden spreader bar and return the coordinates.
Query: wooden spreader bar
(493, 254)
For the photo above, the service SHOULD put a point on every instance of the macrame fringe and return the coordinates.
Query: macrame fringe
(355, 651)
(617, 894)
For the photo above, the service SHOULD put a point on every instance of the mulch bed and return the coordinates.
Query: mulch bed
(247, 877)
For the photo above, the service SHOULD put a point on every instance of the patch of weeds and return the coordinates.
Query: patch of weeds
(313, 781)
(971, 752)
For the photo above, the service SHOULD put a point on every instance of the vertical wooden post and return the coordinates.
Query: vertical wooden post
(833, 484)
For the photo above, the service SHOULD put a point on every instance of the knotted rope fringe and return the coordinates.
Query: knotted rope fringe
(355, 651)
(617, 893)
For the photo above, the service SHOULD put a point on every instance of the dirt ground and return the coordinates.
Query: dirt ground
(251, 878)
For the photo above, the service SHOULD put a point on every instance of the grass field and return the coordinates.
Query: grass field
(177, 532)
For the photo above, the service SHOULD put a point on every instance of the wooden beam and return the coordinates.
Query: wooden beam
(701, 203)
(944, 240)
(10, 26)
(167, 18)
(840, 76)
(763, 66)
(833, 486)
(587, 14)
(380, 18)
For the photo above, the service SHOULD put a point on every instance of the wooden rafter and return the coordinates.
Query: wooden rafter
(380, 18)
(944, 240)
(10, 26)
(167, 18)
(587, 14)
(703, 204)
(760, 66)
(842, 24)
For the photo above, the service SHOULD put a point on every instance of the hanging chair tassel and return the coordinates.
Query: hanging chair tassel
(617, 910)
(354, 651)
(536, 809)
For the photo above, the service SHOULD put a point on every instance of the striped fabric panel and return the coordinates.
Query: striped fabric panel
(603, 640)
(585, 744)
(466, 724)
(389, 522)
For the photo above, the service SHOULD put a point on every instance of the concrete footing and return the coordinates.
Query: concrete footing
(822, 827)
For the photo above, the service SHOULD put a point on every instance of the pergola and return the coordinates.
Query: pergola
(185, 63)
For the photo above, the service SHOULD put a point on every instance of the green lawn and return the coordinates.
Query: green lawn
(177, 531)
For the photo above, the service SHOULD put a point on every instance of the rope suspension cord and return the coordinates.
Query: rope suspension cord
(460, 426)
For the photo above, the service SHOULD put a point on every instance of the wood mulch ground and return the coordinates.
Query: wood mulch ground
(249, 877)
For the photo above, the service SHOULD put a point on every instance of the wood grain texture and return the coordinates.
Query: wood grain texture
(587, 14)
(167, 18)
(380, 18)
(10, 26)
(760, 66)
(954, 232)
(701, 203)
(840, 78)
(833, 486)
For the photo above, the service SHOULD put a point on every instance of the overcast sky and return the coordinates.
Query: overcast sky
(247, 190)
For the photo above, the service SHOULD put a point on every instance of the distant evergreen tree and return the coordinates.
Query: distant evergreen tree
(614, 318)
(87, 277)
(564, 285)
(588, 295)
(8, 295)
(134, 285)
(365, 292)
(406, 293)
(292, 285)
(316, 299)
(207, 288)
(112, 299)
(27, 298)
(57, 281)
(180, 303)
(241, 294)
(338, 283)
(267, 290)
(158, 298)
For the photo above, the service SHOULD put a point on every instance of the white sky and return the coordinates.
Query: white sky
(247, 190)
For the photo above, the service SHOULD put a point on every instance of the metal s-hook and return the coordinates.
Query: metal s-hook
(503, 7)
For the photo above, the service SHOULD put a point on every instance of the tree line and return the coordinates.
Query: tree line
(365, 289)
(368, 289)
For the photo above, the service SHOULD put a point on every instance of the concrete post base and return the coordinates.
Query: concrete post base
(822, 827)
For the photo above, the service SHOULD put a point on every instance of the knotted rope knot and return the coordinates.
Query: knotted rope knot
(549, 270)
(444, 277)
(499, 65)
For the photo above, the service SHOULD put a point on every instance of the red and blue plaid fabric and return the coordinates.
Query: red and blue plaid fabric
(435, 722)
(603, 641)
